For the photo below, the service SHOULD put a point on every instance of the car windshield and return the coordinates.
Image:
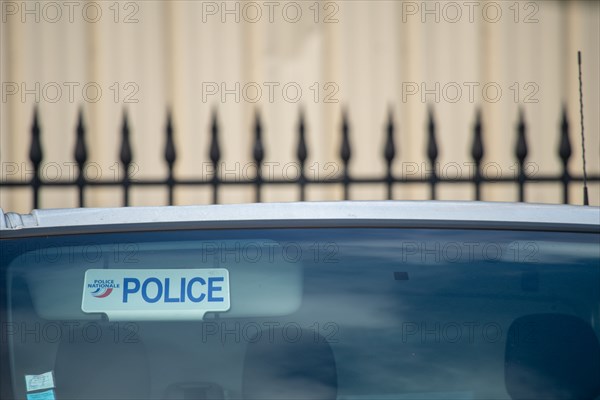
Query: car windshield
(302, 313)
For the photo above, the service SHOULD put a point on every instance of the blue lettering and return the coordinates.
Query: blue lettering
(190, 295)
(127, 290)
(159, 291)
(167, 298)
(182, 290)
(212, 288)
(208, 291)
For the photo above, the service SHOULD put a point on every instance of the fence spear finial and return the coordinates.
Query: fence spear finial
(170, 152)
(564, 152)
(258, 151)
(521, 153)
(80, 147)
(432, 148)
(126, 157)
(35, 150)
(521, 148)
(36, 155)
(215, 151)
(258, 154)
(564, 148)
(215, 154)
(477, 152)
(80, 154)
(170, 156)
(477, 147)
(432, 152)
(346, 152)
(302, 151)
(389, 152)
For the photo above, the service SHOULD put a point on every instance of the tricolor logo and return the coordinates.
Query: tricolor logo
(101, 288)
(102, 292)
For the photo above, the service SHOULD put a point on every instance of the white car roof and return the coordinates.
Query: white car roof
(467, 211)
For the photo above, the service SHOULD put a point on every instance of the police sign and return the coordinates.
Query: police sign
(155, 294)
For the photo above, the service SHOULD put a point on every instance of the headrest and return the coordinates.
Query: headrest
(282, 364)
(552, 356)
(102, 363)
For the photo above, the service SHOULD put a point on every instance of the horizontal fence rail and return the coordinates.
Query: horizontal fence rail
(390, 153)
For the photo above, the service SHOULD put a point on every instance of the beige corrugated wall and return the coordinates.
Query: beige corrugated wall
(366, 56)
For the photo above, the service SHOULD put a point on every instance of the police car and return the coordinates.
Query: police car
(346, 300)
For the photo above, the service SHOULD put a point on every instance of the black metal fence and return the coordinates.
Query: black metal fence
(389, 153)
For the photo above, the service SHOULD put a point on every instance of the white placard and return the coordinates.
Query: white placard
(156, 294)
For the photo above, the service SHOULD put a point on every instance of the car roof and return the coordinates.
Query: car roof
(424, 211)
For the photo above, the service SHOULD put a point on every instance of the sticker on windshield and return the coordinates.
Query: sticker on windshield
(155, 294)
(39, 382)
(47, 395)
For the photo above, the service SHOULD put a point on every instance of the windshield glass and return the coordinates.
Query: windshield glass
(351, 313)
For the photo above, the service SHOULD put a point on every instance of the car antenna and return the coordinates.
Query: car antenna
(586, 201)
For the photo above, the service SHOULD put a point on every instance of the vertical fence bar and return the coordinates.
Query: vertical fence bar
(346, 153)
(259, 154)
(215, 156)
(521, 153)
(432, 154)
(564, 152)
(477, 153)
(36, 155)
(170, 156)
(389, 153)
(126, 158)
(80, 156)
(302, 154)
